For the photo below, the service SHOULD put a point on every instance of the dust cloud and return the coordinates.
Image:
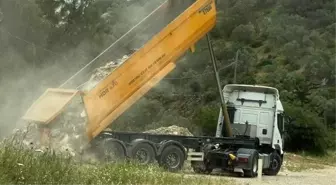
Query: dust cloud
(21, 84)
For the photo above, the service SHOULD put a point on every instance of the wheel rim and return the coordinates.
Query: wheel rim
(274, 164)
(142, 156)
(172, 160)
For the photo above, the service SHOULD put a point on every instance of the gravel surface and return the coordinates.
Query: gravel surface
(326, 176)
(313, 177)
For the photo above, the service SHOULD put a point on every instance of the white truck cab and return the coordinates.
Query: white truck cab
(255, 111)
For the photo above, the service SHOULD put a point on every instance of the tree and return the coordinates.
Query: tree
(77, 20)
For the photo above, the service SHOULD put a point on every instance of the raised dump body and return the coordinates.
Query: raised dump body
(143, 70)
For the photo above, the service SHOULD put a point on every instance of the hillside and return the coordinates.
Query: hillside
(286, 44)
(279, 43)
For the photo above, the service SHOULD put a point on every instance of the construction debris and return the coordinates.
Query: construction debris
(171, 130)
(67, 131)
(102, 72)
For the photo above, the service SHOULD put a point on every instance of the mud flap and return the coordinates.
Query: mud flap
(244, 158)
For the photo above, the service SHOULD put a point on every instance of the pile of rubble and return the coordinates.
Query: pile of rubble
(171, 130)
(102, 72)
(66, 131)
(67, 136)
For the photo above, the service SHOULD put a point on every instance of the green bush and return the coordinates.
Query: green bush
(307, 132)
(206, 119)
(331, 139)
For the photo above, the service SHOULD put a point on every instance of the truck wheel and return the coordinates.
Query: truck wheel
(172, 158)
(254, 166)
(275, 165)
(143, 153)
(113, 151)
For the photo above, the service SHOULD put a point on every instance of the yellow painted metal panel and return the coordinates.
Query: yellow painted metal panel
(117, 90)
(95, 129)
(49, 105)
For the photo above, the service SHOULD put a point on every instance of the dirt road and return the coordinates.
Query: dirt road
(313, 177)
(326, 176)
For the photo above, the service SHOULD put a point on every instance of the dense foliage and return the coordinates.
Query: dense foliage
(288, 44)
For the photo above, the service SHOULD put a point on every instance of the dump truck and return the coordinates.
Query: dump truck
(250, 122)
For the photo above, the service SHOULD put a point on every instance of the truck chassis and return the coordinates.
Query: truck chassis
(238, 154)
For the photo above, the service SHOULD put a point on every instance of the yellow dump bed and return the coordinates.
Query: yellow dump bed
(146, 67)
(111, 97)
(49, 105)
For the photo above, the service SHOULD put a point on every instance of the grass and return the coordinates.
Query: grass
(22, 166)
(303, 161)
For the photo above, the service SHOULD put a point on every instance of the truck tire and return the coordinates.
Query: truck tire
(253, 172)
(113, 151)
(275, 165)
(172, 158)
(143, 153)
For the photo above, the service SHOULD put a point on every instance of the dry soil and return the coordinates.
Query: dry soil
(326, 176)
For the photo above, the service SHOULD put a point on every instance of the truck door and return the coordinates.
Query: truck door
(261, 119)
(265, 126)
